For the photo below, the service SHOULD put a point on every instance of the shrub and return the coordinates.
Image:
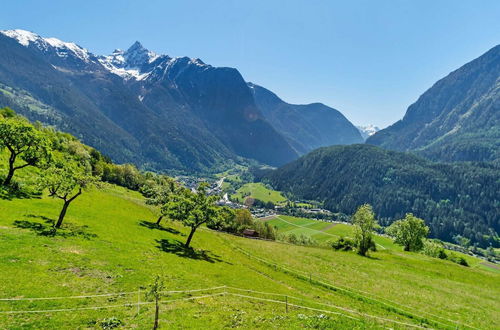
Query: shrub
(343, 244)
(111, 323)
(458, 259)
(434, 249)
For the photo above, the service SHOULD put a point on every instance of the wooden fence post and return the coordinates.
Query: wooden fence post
(138, 301)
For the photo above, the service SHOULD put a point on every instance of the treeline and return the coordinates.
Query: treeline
(242, 221)
(454, 199)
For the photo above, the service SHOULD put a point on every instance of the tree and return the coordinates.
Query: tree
(364, 224)
(157, 192)
(155, 292)
(462, 241)
(65, 180)
(25, 142)
(7, 112)
(409, 232)
(193, 209)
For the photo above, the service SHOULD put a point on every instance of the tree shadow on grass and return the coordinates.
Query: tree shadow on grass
(178, 248)
(15, 192)
(153, 225)
(46, 228)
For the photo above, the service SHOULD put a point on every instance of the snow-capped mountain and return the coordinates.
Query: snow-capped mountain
(135, 63)
(51, 46)
(367, 131)
(157, 111)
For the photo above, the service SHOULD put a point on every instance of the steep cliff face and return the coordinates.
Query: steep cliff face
(456, 119)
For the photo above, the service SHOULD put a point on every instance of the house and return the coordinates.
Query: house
(250, 233)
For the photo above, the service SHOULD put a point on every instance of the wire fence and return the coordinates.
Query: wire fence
(390, 305)
(280, 298)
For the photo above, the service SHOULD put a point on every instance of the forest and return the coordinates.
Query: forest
(453, 198)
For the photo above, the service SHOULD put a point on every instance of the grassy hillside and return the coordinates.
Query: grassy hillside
(323, 232)
(258, 191)
(110, 245)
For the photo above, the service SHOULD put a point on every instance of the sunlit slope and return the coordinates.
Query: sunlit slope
(110, 245)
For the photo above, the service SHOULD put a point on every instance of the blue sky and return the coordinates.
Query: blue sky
(369, 59)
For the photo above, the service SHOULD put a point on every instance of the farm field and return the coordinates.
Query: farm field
(323, 232)
(109, 246)
(258, 191)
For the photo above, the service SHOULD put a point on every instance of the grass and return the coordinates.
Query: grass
(323, 231)
(109, 243)
(259, 191)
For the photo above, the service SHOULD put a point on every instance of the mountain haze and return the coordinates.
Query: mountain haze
(307, 126)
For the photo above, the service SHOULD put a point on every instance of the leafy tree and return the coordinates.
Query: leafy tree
(409, 232)
(193, 209)
(364, 224)
(462, 241)
(65, 180)
(155, 292)
(7, 112)
(24, 142)
(157, 192)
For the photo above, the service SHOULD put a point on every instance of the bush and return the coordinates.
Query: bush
(458, 259)
(343, 244)
(434, 249)
(111, 323)
(306, 240)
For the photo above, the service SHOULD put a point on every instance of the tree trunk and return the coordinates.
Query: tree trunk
(157, 315)
(190, 237)
(62, 214)
(159, 220)
(9, 176)
(8, 179)
(65, 207)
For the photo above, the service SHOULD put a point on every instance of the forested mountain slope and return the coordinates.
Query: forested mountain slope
(307, 126)
(457, 119)
(454, 199)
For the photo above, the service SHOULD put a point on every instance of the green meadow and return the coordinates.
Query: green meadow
(258, 191)
(322, 231)
(95, 271)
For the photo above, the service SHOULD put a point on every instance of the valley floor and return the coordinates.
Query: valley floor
(110, 250)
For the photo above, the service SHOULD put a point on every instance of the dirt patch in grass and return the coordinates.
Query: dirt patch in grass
(271, 217)
(329, 226)
(490, 265)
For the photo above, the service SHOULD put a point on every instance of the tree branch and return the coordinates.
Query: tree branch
(76, 195)
(22, 166)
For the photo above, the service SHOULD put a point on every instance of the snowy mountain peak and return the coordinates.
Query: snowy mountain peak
(132, 63)
(22, 36)
(368, 130)
(137, 47)
(137, 55)
(136, 62)
(62, 49)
